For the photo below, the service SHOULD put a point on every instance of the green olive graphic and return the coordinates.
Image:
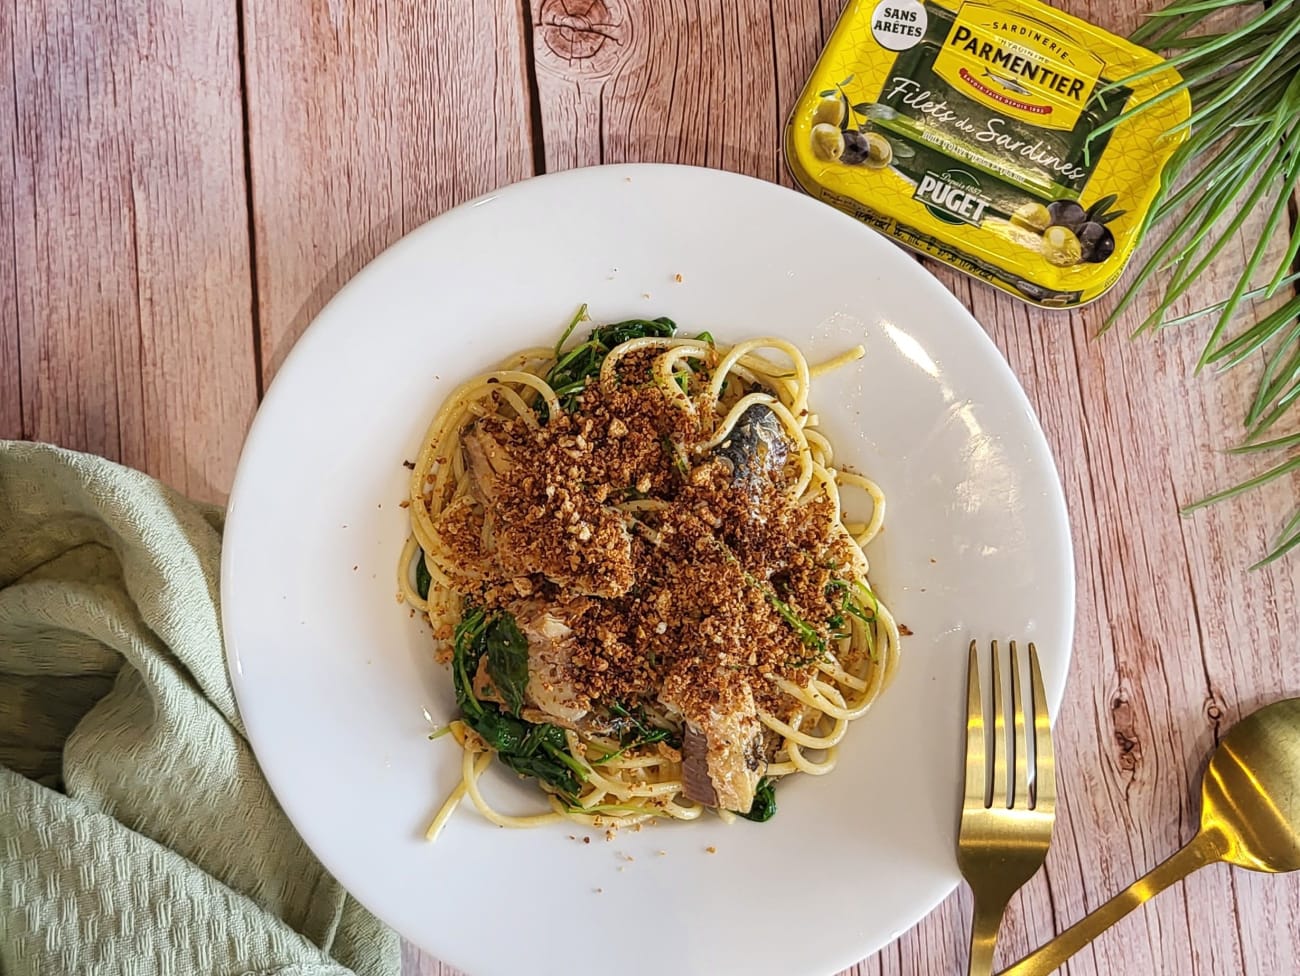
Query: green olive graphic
(880, 151)
(1061, 247)
(829, 110)
(1032, 216)
(827, 141)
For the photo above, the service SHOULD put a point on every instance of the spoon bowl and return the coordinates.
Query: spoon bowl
(1250, 797)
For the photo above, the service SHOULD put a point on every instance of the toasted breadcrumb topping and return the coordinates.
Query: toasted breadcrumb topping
(664, 567)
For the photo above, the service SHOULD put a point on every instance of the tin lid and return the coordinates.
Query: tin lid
(986, 135)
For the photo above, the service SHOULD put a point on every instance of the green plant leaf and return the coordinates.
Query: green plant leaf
(568, 377)
(1240, 161)
(1285, 467)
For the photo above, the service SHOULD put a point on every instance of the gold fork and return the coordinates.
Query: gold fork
(1004, 832)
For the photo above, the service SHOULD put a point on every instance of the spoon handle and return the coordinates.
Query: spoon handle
(1203, 849)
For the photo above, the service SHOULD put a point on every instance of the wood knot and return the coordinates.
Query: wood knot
(586, 37)
(1126, 737)
(1213, 711)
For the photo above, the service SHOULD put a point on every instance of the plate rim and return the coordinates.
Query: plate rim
(312, 336)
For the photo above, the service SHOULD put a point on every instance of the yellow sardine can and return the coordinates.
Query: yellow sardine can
(998, 137)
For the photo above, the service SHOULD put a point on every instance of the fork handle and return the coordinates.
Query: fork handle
(1205, 848)
(985, 922)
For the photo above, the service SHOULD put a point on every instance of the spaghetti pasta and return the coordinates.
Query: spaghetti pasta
(633, 556)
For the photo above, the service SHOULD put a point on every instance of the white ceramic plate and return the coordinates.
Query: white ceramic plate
(336, 682)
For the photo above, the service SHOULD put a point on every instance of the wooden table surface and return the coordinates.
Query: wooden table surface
(189, 183)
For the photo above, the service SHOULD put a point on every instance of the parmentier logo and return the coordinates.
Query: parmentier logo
(1018, 66)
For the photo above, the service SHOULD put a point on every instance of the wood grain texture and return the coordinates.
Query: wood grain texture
(132, 319)
(365, 121)
(125, 290)
(659, 81)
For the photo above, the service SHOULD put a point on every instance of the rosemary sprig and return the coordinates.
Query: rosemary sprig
(1241, 156)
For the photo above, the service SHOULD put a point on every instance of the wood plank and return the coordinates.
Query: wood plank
(365, 121)
(660, 81)
(127, 307)
(11, 410)
(417, 963)
(1176, 638)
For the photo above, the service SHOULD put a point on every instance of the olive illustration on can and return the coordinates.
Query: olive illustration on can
(1069, 234)
(829, 110)
(827, 141)
(1067, 214)
(1032, 216)
(1061, 247)
(870, 149)
(1097, 241)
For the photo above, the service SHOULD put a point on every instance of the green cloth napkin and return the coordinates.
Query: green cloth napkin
(137, 834)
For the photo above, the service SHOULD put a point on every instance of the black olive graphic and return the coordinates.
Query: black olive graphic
(1068, 214)
(1090, 233)
(856, 148)
(869, 149)
(1105, 247)
(1097, 242)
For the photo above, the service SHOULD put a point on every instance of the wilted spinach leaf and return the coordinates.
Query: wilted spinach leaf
(422, 578)
(568, 377)
(540, 751)
(507, 660)
(764, 806)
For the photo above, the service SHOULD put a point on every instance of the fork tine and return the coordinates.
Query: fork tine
(1044, 797)
(976, 775)
(1000, 744)
(1020, 785)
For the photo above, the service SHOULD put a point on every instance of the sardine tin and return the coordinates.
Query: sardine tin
(969, 131)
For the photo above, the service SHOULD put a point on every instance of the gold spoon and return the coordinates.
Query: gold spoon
(1250, 816)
